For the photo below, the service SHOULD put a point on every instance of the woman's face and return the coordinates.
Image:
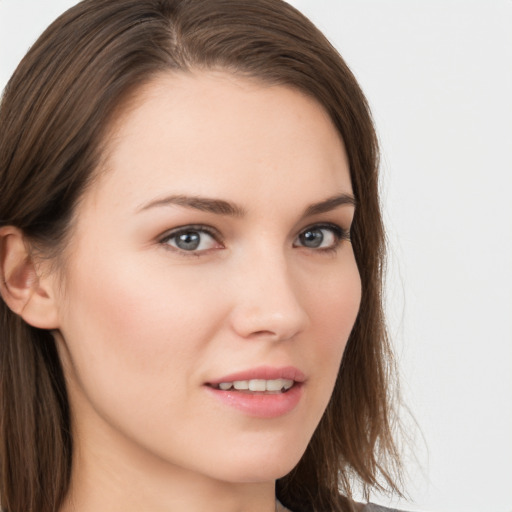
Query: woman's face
(211, 252)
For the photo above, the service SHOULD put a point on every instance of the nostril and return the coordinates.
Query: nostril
(258, 334)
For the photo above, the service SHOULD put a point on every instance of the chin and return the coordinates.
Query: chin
(252, 468)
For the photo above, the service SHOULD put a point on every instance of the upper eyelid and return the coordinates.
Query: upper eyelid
(327, 225)
(170, 233)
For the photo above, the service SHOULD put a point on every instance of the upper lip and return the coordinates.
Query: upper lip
(264, 373)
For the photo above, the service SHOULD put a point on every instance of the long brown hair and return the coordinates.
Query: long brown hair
(53, 118)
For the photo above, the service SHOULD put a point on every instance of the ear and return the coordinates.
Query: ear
(26, 292)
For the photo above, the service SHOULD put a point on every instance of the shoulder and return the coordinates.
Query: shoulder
(371, 507)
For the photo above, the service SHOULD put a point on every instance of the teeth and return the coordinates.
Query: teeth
(241, 384)
(287, 383)
(275, 385)
(257, 385)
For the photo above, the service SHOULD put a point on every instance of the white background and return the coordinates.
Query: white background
(438, 75)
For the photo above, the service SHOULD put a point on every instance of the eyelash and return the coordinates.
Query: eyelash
(340, 234)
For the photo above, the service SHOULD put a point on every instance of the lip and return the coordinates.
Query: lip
(260, 405)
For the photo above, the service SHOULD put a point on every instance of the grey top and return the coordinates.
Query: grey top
(370, 507)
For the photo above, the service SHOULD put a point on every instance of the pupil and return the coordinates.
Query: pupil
(312, 238)
(188, 241)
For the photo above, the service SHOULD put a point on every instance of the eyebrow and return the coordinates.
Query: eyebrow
(204, 204)
(222, 207)
(330, 204)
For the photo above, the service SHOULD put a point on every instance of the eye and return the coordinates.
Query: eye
(323, 237)
(191, 239)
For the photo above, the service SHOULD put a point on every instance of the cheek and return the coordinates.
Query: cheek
(133, 347)
(334, 307)
(335, 304)
(129, 324)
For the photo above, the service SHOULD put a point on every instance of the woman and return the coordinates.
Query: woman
(191, 254)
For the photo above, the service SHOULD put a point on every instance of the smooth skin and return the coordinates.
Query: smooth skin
(195, 254)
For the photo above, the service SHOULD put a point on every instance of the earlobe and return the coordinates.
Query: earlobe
(24, 291)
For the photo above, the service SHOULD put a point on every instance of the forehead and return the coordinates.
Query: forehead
(218, 134)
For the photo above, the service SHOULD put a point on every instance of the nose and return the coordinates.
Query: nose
(268, 301)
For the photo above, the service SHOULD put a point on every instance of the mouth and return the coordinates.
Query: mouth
(257, 386)
(261, 392)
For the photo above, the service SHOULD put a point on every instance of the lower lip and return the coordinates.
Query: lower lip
(260, 405)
